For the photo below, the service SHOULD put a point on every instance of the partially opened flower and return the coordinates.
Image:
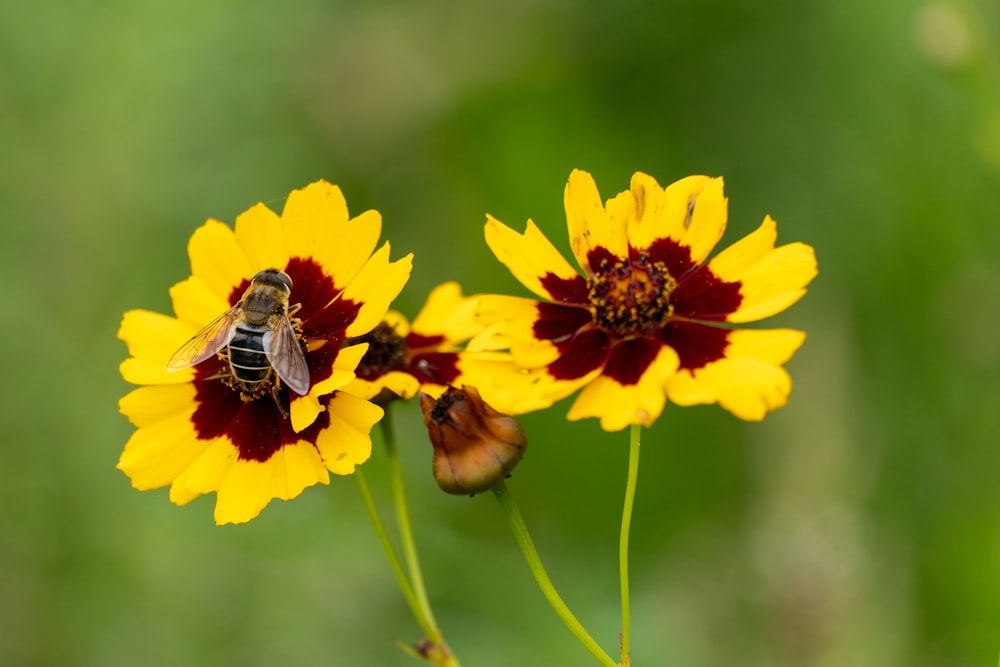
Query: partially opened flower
(238, 412)
(404, 358)
(649, 318)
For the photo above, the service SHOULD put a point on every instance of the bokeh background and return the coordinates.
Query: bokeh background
(860, 525)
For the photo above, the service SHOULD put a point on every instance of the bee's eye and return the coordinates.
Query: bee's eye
(273, 276)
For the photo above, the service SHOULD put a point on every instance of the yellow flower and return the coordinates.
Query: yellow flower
(201, 429)
(650, 318)
(404, 358)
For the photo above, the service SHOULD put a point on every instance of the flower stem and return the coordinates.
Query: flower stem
(390, 551)
(433, 648)
(633, 474)
(523, 538)
(405, 532)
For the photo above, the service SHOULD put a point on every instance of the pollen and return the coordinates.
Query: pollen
(249, 391)
(631, 297)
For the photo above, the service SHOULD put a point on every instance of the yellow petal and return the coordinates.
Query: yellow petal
(402, 384)
(196, 304)
(518, 316)
(317, 226)
(775, 346)
(447, 313)
(259, 234)
(151, 339)
(156, 454)
(707, 220)
(771, 278)
(514, 390)
(206, 473)
(295, 467)
(656, 217)
(217, 259)
(347, 256)
(691, 211)
(346, 443)
(374, 287)
(397, 322)
(305, 409)
(529, 256)
(244, 492)
(249, 486)
(147, 405)
(494, 308)
(590, 224)
(620, 405)
(749, 381)
(315, 210)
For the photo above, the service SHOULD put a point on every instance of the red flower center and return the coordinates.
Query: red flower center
(631, 297)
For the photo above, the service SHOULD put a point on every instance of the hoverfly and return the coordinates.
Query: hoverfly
(256, 336)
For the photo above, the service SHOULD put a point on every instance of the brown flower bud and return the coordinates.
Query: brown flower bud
(474, 445)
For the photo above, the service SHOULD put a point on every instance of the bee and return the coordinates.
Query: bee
(256, 336)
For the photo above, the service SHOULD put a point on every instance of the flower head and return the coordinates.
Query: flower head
(650, 316)
(404, 358)
(475, 446)
(212, 421)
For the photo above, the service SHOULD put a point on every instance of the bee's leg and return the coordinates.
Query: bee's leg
(296, 322)
(277, 397)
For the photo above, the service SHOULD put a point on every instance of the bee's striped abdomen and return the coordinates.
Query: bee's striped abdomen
(246, 354)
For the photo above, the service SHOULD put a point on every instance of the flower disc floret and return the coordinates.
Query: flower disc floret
(629, 298)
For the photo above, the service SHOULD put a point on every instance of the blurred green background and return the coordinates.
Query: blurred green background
(860, 525)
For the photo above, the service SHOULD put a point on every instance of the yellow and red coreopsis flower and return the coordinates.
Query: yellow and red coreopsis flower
(650, 318)
(199, 430)
(403, 358)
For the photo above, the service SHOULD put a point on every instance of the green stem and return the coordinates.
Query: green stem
(633, 474)
(405, 532)
(390, 551)
(523, 538)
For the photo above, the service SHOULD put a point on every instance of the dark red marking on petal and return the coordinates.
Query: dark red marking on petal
(210, 368)
(237, 293)
(434, 367)
(697, 345)
(314, 289)
(702, 295)
(557, 323)
(673, 255)
(572, 291)
(256, 428)
(331, 322)
(583, 353)
(630, 358)
(324, 316)
(320, 361)
(599, 258)
(415, 341)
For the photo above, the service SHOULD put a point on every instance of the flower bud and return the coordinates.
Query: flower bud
(474, 445)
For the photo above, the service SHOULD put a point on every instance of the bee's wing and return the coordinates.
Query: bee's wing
(204, 344)
(282, 349)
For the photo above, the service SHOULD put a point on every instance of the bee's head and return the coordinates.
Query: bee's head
(273, 277)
